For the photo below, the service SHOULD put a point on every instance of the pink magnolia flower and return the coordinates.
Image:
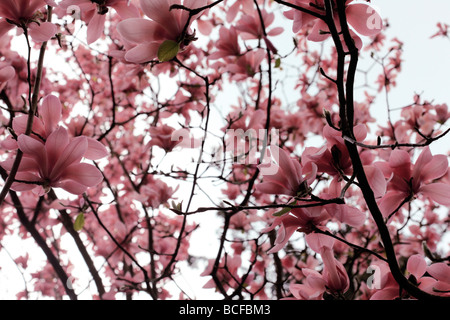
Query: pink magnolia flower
(334, 159)
(285, 175)
(334, 277)
(251, 28)
(299, 219)
(22, 13)
(408, 180)
(443, 30)
(49, 111)
(434, 279)
(360, 16)
(333, 273)
(167, 138)
(227, 44)
(55, 164)
(144, 37)
(246, 65)
(51, 157)
(312, 287)
(94, 13)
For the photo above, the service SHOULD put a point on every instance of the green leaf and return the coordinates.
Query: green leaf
(285, 209)
(79, 222)
(168, 50)
(282, 212)
(277, 63)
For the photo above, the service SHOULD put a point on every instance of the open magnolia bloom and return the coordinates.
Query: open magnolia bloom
(55, 164)
(23, 13)
(51, 158)
(285, 175)
(161, 37)
(407, 181)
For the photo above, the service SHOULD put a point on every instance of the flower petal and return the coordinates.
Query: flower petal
(364, 19)
(34, 149)
(55, 144)
(95, 27)
(137, 30)
(143, 53)
(42, 32)
(71, 186)
(440, 271)
(83, 173)
(416, 265)
(72, 153)
(96, 150)
(50, 110)
(438, 192)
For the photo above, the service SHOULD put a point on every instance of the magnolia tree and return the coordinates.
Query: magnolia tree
(149, 144)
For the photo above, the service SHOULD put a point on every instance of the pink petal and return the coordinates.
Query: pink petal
(275, 31)
(7, 73)
(386, 294)
(25, 176)
(273, 188)
(71, 186)
(5, 26)
(438, 192)
(435, 168)
(9, 143)
(83, 173)
(143, 53)
(346, 214)
(20, 125)
(55, 144)
(72, 153)
(391, 201)
(95, 27)
(319, 32)
(26, 164)
(364, 19)
(137, 30)
(376, 180)
(50, 111)
(400, 160)
(34, 149)
(42, 32)
(416, 266)
(96, 150)
(317, 242)
(440, 271)
(288, 168)
(126, 10)
(159, 11)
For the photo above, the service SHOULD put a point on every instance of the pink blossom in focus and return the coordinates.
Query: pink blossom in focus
(407, 180)
(51, 158)
(285, 175)
(55, 164)
(143, 37)
(23, 13)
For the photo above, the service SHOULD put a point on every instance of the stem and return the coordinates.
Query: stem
(68, 224)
